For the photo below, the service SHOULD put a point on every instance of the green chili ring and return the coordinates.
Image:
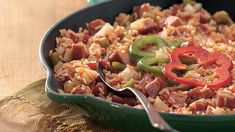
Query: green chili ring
(146, 65)
(135, 51)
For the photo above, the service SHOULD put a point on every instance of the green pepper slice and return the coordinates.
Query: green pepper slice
(146, 65)
(55, 57)
(118, 66)
(135, 51)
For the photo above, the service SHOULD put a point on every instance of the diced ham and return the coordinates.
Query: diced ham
(174, 9)
(139, 10)
(179, 98)
(175, 99)
(120, 56)
(73, 36)
(84, 37)
(225, 99)
(143, 25)
(200, 105)
(173, 21)
(95, 25)
(209, 110)
(129, 101)
(147, 78)
(100, 89)
(204, 16)
(200, 92)
(79, 51)
(154, 87)
(170, 20)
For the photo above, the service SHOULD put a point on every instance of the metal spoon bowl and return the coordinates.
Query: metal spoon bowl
(155, 119)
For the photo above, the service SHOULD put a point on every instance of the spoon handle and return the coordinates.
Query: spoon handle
(155, 119)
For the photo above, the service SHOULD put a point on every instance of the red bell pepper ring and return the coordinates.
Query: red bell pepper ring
(204, 58)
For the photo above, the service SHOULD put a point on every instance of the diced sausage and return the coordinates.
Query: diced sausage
(143, 25)
(225, 99)
(95, 25)
(154, 87)
(104, 64)
(100, 89)
(120, 56)
(79, 51)
(129, 101)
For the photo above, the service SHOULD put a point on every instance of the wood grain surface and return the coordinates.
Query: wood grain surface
(22, 25)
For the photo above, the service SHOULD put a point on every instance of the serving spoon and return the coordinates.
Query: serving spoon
(155, 119)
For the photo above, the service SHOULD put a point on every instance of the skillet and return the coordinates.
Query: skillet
(115, 115)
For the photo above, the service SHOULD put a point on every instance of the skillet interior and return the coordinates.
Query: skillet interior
(116, 115)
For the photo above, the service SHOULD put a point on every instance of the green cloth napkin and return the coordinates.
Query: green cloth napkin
(31, 110)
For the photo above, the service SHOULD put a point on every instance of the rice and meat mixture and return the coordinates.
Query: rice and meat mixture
(181, 58)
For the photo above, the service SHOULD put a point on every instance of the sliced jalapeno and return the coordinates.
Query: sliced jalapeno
(135, 49)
